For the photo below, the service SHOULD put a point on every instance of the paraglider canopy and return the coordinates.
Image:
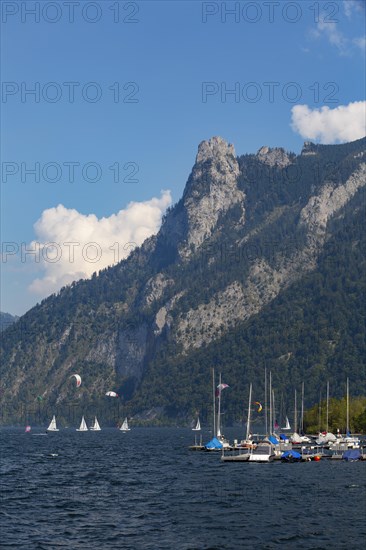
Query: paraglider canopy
(77, 378)
(112, 394)
(259, 406)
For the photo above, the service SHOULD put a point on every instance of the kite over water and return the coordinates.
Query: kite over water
(112, 394)
(259, 406)
(77, 378)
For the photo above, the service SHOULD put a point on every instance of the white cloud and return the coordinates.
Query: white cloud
(98, 243)
(351, 6)
(334, 35)
(342, 124)
(360, 43)
(331, 31)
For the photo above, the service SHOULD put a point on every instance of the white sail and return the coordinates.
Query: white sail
(198, 426)
(96, 427)
(53, 427)
(287, 427)
(83, 426)
(124, 427)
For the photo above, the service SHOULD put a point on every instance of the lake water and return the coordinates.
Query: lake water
(145, 490)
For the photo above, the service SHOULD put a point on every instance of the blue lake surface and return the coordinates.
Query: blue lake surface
(145, 490)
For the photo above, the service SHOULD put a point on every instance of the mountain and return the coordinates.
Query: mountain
(6, 320)
(259, 265)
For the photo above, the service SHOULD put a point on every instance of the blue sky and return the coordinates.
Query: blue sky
(163, 60)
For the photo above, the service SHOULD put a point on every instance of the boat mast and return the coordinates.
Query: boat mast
(302, 408)
(214, 402)
(327, 422)
(219, 409)
(347, 406)
(265, 401)
(270, 403)
(274, 411)
(320, 410)
(248, 421)
(295, 413)
(281, 411)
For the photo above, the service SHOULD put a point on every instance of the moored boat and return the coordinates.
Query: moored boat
(291, 456)
(264, 452)
(352, 455)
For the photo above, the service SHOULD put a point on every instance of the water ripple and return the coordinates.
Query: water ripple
(146, 491)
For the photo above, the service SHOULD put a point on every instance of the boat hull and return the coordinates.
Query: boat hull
(261, 458)
(236, 458)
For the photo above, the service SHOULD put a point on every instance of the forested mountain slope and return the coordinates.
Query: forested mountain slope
(260, 265)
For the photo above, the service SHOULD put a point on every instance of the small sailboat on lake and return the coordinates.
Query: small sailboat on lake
(95, 427)
(83, 426)
(198, 426)
(52, 427)
(125, 427)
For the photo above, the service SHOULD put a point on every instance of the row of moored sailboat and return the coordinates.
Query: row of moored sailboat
(277, 445)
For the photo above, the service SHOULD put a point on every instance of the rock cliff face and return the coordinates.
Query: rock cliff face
(330, 199)
(239, 302)
(230, 248)
(211, 191)
(274, 157)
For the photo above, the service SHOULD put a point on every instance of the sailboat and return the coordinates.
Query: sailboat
(287, 427)
(27, 429)
(218, 441)
(243, 450)
(83, 426)
(95, 427)
(198, 426)
(352, 442)
(327, 437)
(124, 427)
(247, 442)
(219, 435)
(52, 427)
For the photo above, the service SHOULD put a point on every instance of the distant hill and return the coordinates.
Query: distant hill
(261, 264)
(6, 320)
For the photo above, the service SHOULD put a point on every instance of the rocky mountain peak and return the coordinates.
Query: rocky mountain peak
(214, 148)
(274, 157)
(216, 165)
(212, 189)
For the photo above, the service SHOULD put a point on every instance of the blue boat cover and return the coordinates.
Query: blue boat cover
(352, 454)
(283, 437)
(214, 444)
(291, 454)
(273, 440)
